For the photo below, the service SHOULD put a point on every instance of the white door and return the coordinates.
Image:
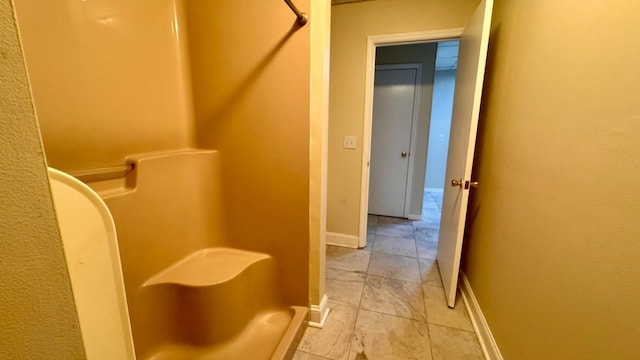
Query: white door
(464, 126)
(395, 98)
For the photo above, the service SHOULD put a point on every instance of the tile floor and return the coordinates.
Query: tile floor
(387, 301)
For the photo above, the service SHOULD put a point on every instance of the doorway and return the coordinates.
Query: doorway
(439, 129)
(410, 138)
(395, 41)
(474, 39)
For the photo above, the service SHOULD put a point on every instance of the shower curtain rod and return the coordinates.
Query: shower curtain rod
(302, 17)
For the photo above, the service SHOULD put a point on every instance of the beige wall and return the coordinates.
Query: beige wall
(250, 69)
(108, 78)
(350, 26)
(424, 54)
(553, 239)
(37, 314)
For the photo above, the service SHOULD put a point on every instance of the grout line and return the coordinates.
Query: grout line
(426, 314)
(335, 268)
(397, 316)
(315, 355)
(364, 284)
(390, 278)
(352, 336)
(452, 328)
(410, 257)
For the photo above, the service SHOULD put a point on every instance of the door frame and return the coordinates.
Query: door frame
(414, 124)
(372, 43)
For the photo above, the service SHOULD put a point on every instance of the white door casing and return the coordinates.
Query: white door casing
(464, 125)
(395, 110)
(372, 42)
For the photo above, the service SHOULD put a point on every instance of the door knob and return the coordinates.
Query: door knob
(473, 184)
(403, 154)
(455, 183)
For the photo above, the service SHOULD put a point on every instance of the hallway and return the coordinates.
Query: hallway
(386, 300)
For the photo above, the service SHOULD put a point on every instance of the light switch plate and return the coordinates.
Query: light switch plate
(349, 142)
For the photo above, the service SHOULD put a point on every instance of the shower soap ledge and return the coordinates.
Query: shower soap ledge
(206, 267)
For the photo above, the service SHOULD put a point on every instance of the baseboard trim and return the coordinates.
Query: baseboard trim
(485, 337)
(343, 240)
(414, 217)
(318, 313)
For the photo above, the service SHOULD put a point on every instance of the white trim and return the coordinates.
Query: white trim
(318, 313)
(344, 240)
(415, 37)
(414, 217)
(435, 190)
(485, 337)
(372, 42)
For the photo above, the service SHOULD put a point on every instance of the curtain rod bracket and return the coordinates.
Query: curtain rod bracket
(302, 17)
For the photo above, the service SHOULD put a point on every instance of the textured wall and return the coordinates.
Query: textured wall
(554, 238)
(37, 313)
(350, 26)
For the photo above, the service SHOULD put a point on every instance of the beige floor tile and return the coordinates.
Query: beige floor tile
(427, 222)
(334, 339)
(395, 245)
(429, 234)
(402, 311)
(429, 272)
(394, 297)
(429, 207)
(371, 226)
(394, 266)
(439, 313)
(386, 337)
(347, 259)
(430, 218)
(447, 343)
(344, 286)
(392, 220)
(301, 355)
(427, 249)
(371, 240)
(394, 229)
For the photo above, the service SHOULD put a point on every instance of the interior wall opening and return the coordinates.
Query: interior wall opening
(422, 183)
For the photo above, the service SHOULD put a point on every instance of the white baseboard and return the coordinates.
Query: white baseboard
(344, 240)
(318, 313)
(485, 337)
(414, 217)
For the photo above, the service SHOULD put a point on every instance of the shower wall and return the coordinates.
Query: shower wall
(112, 78)
(108, 78)
(250, 76)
